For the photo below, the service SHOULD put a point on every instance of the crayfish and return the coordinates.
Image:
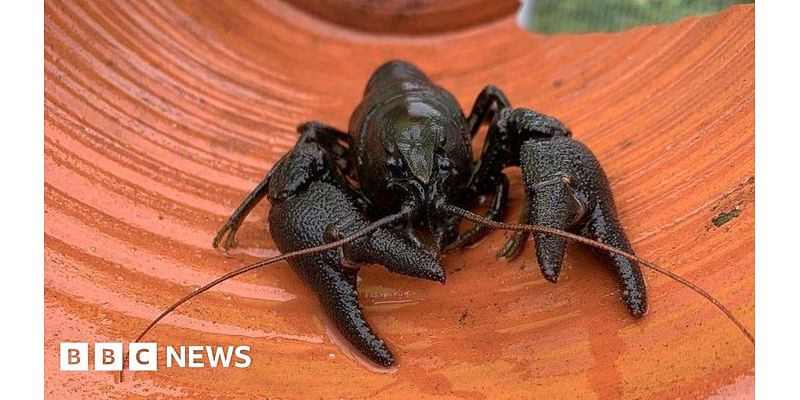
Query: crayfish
(394, 188)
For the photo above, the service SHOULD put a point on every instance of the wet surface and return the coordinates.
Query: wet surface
(160, 118)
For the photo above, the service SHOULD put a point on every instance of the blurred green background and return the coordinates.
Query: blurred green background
(552, 16)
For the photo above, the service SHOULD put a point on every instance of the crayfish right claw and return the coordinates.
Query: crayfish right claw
(567, 189)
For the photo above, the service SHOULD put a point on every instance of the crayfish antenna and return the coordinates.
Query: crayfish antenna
(247, 268)
(466, 214)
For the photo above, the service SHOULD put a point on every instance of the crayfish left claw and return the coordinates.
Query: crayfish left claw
(567, 189)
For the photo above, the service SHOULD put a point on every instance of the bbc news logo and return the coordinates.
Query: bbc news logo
(144, 356)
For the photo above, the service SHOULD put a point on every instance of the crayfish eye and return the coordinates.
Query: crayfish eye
(395, 166)
(445, 164)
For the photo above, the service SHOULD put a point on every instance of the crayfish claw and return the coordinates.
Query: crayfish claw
(513, 245)
(226, 236)
(311, 208)
(567, 189)
(397, 255)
